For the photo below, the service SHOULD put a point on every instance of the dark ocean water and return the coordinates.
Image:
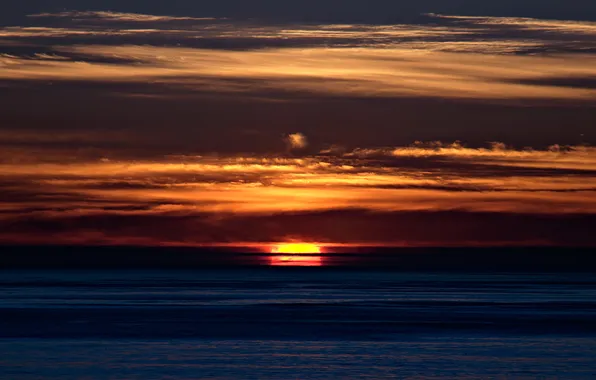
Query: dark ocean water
(301, 323)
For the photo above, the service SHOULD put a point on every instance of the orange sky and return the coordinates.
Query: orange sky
(122, 128)
(421, 180)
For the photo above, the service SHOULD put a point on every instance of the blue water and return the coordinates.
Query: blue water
(295, 324)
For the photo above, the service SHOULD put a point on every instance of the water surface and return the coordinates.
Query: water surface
(274, 323)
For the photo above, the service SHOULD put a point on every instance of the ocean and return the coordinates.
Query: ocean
(295, 323)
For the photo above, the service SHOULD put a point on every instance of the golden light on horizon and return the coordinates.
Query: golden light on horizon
(296, 254)
(293, 248)
(296, 261)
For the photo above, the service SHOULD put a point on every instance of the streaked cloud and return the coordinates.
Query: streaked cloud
(437, 179)
(556, 156)
(447, 57)
(556, 26)
(113, 16)
(218, 192)
(482, 35)
(348, 72)
(97, 180)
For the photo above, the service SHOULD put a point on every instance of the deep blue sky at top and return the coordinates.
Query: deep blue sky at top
(373, 11)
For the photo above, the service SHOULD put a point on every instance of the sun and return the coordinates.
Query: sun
(296, 248)
(296, 254)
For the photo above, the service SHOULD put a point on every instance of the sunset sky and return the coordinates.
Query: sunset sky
(247, 123)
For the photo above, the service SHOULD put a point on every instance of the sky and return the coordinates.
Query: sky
(439, 123)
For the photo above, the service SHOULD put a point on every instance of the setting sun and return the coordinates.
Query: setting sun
(296, 254)
(296, 248)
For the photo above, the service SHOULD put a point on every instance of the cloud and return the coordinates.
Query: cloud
(121, 177)
(61, 136)
(550, 26)
(296, 141)
(354, 226)
(395, 196)
(114, 16)
(370, 72)
(413, 179)
(555, 157)
(456, 57)
(480, 35)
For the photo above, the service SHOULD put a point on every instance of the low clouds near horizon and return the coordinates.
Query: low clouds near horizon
(92, 202)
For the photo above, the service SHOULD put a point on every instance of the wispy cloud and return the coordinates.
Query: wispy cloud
(552, 26)
(89, 182)
(114, 16)
(448, 57)
(479, 180)
(482, 35)
(221, 199)
(349, 72)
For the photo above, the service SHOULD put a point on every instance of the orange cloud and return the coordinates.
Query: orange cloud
(44, 188)
(439, 178)
(115, 16)
(368, 72)
(454, 57)
(560, 26)
(296, 141)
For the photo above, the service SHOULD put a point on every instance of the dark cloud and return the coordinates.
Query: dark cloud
(429, 32)
(195, 106)
(348, 226)
(316, 10)
(570, 82)
(123, 127)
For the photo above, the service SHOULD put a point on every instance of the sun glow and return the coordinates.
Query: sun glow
(296, 254)
(293, 248)
(296, 261)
